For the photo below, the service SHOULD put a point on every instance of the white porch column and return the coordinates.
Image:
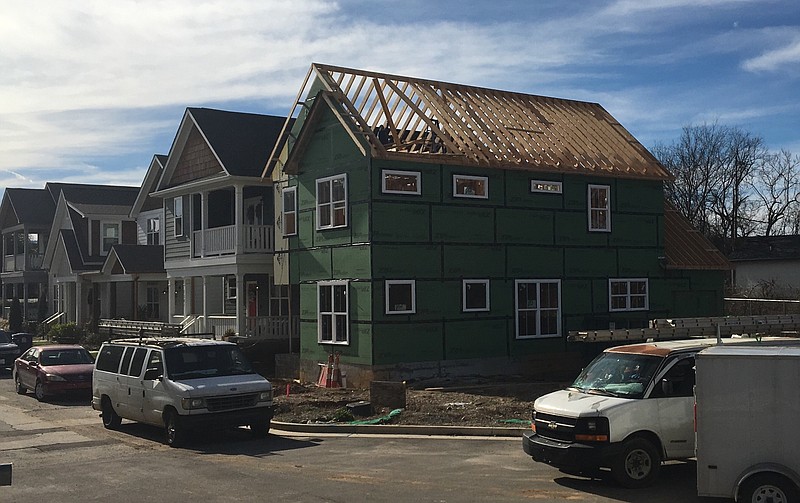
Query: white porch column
(238, 202)
(170, 299)
(206, 325)
(188, 294)
(78, 301)
(241, 306)
(203, 220)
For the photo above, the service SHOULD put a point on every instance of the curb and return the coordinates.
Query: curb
(400, 429)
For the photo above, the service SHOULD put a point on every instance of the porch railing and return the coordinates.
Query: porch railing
(271, 327)
(17, 262)
(222, 240)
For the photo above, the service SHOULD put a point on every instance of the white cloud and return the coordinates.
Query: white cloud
(776, 59)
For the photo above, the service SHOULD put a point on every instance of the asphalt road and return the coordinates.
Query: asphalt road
(61, 453)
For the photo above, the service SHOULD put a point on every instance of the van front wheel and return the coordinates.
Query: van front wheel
(637, 465)
(260, 428)
(175, 432)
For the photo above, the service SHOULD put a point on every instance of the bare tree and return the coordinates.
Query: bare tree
(777, 187)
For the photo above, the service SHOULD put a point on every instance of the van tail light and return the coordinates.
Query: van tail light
(694, 411)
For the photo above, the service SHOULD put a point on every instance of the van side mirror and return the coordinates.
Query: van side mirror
(667, 387)
(152, 374)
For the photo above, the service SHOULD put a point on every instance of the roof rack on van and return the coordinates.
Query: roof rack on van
(687, 328)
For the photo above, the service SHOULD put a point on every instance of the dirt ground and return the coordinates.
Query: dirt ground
(471, 402)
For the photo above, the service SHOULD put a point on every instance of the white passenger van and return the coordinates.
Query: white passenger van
(180, 384)
(630, 409)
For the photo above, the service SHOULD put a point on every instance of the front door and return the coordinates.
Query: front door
(252, 307)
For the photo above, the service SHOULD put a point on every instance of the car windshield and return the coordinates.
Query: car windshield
(193, 362)
(4, 337)
(618, 374)
(64, 357)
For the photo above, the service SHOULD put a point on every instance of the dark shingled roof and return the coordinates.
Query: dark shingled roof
(94, 199)
(242, 141)
(140, 258)
(32, 206)
(766, 248)
(73, 252)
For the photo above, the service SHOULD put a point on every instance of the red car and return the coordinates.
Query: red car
(52, 370)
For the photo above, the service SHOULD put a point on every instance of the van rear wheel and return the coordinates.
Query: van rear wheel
(768, 487)
(637, 465)
(111, 420)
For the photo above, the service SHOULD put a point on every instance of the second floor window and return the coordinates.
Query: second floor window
(600, 208)
(109, 235)
(290, 211)
(332, 202)
(153, 231)
(178, 210)
(470, 186)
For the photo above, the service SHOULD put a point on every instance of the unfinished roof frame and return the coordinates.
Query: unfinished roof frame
(421, 120)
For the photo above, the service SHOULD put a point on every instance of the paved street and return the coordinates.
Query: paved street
(60, 452)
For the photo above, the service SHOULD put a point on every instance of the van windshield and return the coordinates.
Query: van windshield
(194, 362)
(618, 374)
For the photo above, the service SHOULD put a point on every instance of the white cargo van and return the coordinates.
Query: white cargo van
(630, 409)
(748, 409)
(179, 384)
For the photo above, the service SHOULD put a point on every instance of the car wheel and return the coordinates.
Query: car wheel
(768, 487)
(39, 391)
(637, 465)
(111, 420)
(175, 432)
(260, 429)
(18, 386)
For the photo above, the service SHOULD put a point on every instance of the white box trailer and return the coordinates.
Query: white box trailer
(748, 423)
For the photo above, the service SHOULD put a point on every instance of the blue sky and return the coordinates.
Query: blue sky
(90, 90)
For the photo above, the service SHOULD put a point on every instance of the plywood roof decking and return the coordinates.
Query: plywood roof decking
(687, 248)
(406, 118)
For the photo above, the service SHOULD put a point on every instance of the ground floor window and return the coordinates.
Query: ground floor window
(333, 314)
(475, 295)
(538, 308)
(628, 294)
(401, 297)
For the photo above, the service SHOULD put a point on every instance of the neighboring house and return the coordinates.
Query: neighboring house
(218, 225)
(25, 219)
(435, 228)
(766, 266)
(132, 283)
(88, 221)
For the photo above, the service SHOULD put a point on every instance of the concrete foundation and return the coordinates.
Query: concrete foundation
(557, 366)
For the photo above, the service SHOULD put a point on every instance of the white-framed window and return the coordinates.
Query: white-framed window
(401, 182)
(538, 308)
(600, 208)
(546, 187)
(153, 231)
(332, 202)
(230, 287)
(628, 294)
(289, 211)
(470, 186)
(333, 322)
(109, 236)
(475, 295)
(178, 212)
(401, 296)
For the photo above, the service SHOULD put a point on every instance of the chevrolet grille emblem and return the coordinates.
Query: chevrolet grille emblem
(552, 425)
